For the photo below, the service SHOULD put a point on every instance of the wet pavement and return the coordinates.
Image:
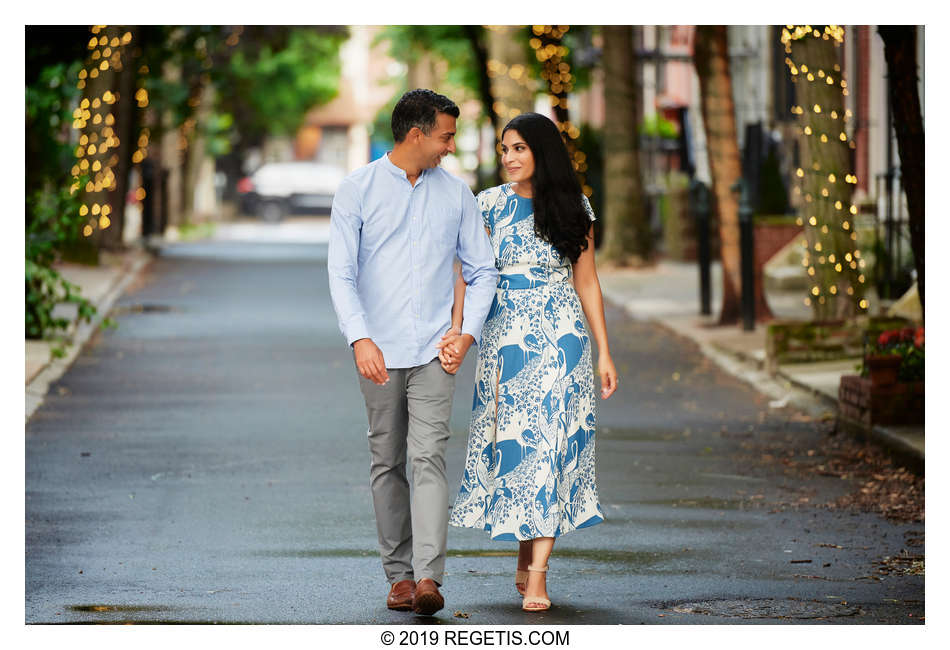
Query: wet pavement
(206, 461)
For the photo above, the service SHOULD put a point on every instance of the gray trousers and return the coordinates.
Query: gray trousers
(409, 420)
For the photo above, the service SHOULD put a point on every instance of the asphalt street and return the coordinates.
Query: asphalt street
(206, 461)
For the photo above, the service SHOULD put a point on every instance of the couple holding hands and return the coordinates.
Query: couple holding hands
(527, 273)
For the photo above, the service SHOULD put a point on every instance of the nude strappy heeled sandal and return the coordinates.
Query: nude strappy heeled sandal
(535, 603)
(521, 581)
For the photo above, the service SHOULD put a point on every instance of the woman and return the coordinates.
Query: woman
(529, 471)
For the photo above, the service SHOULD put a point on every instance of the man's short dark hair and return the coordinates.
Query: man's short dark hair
(420, 107)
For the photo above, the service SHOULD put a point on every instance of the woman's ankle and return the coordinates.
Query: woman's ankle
(524, 555)
(536, 585)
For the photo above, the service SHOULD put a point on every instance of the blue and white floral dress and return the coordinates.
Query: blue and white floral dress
(529, 470)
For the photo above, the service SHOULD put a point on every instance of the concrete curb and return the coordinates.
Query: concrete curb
(752, 372)
(898, 447)
(786, 390)
(38, 387)
(827, 400)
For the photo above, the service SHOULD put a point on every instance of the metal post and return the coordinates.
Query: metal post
(747, 252)
(699, 201)
(889, 189)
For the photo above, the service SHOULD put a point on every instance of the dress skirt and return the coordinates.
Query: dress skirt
(529, 468)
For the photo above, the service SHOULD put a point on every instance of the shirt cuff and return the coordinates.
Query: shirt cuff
(355, 330)
(474, 335)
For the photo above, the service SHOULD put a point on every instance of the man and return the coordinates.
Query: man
(396, 226)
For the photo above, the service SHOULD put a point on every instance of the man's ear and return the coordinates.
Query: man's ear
(415, 133)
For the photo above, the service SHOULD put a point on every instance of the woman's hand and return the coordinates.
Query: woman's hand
(450, 364)
(455, 330)
(449, 355)
(608, 376)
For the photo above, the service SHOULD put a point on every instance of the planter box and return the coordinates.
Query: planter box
(898, 404)
(808, 341)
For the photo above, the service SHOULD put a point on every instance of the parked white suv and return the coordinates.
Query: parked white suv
(276, 190)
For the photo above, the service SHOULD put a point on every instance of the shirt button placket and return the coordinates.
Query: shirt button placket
(414, 254)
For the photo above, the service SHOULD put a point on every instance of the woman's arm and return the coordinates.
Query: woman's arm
(459, 301)
(451, 358)
(588, 290)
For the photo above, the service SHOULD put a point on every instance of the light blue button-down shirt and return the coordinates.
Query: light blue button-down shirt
(391, 254)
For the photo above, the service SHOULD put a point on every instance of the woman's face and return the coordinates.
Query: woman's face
(516, 157)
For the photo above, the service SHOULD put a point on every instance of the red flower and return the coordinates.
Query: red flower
(919, 337)
(889, 337)
(907, 334)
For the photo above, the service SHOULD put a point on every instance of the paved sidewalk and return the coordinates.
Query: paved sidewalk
(668, 293)
(102, 285)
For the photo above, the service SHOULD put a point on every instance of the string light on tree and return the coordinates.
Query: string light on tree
(549, 49)
(811, 54)
(98, 143)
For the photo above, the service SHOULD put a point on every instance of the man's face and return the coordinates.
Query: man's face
(439, 143)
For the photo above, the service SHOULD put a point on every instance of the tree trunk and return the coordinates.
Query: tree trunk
(125, 119)
(711, 57)
(560, 81)
(900, 51)
(508, 72)
(101, 137)
(627, 238)
(834, 266)
(512, 90)
(476, 36)
(196, 155)
(172, 147)
(421, 72)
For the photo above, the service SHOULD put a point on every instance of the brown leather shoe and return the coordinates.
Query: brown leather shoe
(401, 595)
(428, 600)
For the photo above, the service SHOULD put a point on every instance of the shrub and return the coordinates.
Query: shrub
(52, 215)
(50, 228)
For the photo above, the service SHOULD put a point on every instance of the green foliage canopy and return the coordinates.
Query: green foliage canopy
(265, 78)
(270, 90)
(451, 43)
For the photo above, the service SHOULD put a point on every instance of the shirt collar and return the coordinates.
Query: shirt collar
(399, 171)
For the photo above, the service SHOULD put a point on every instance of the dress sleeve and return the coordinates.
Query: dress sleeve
(483, 201)
(590, 210)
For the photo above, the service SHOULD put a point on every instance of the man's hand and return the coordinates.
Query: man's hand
(452, 350)
(369, 361)
(450, 334)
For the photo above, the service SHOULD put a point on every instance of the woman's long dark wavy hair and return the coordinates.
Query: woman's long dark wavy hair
(560, 217)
